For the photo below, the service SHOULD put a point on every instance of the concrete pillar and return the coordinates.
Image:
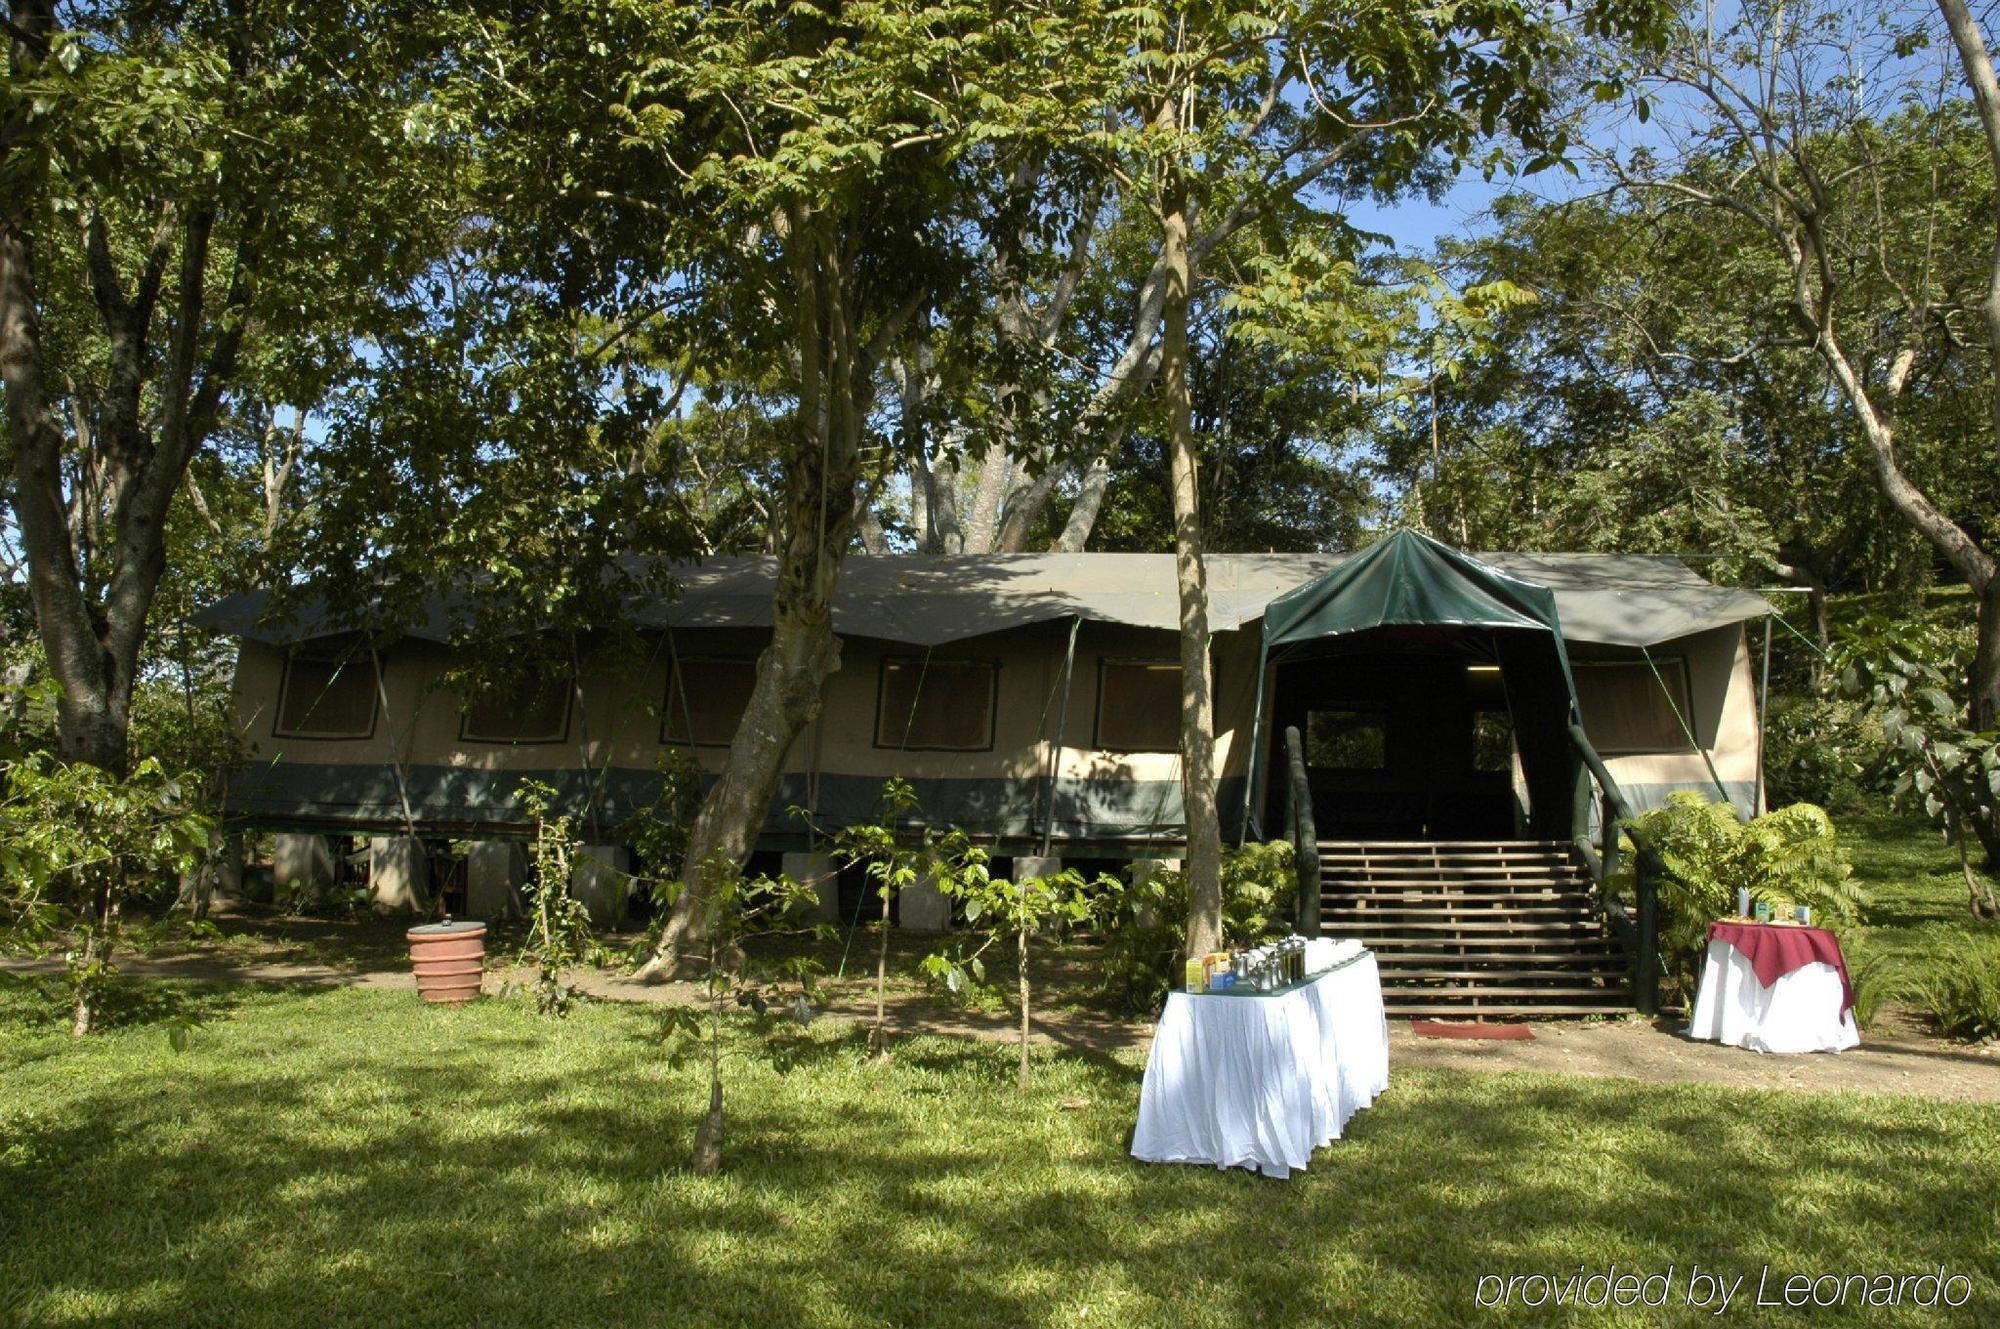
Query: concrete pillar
(922, 907)
(229, 867)
(1026, 866)
(1142, 870)
(301, 865)
(399, 874)
(494, 871)
(600, 876)
(820, 872)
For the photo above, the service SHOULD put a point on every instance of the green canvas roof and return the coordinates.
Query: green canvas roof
(1408, 580)
(929, 600)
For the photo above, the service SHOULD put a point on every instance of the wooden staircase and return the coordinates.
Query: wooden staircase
(1475, 928)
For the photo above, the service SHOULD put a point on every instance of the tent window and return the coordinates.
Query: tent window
(329, 692)
(717, 692)
(1138, 706)
(533, 710)
(1347, 741)
(945, 705)
(1626, 711)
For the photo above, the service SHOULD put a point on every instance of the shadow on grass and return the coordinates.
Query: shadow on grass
(382, 1164)
(43, 1003)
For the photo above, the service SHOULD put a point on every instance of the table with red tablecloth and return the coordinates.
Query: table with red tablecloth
(1775, 987)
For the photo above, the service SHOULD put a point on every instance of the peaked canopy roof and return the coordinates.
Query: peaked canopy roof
(924, 600)
(1408, 580)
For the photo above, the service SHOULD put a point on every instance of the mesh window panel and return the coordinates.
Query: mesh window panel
(1625, 709)
(1139, 706)
(717, 692)
(944, 704)
(1346, 741)
(328, 698)
(1492, 741)
(536, 712)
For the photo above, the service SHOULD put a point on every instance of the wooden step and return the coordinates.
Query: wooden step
(1497, 978)
(1483, 869)
(1537, 907)
(1590, 959)
(1611, 1006)
(1465, 928)
(1421, 959)
(1539, 945)
(1450, 846)
(1547, 926)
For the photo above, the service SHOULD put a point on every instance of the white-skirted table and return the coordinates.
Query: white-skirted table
(1774, 987)
(1260, 1080)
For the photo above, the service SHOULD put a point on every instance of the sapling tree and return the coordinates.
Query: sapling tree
(998, 911)
(1906, 676)
(734, 911)
(944, 858)
(559, 935)
(76, 844)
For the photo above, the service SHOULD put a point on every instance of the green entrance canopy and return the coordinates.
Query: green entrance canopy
(1407, 580)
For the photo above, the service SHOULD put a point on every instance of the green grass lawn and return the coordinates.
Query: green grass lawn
(1912, 876)
(347, 1157)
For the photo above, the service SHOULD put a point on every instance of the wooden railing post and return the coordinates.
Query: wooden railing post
(1617, 813)
(1305, 836)
(1646, 977)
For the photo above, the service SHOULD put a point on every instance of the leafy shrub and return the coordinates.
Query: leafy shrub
(1819, 750)
(559, 936)
(1961, 991)
(1876, 977)
(1145, 925)
(76, 845)
(1789, 856)
(1910, 677)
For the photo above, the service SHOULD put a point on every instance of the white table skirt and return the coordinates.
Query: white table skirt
(1802, 1012)
(1260, 1082)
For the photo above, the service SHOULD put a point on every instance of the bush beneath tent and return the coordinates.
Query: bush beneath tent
(1145, 925)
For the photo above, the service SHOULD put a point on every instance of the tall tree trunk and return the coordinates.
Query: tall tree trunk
(822, 469)
(1981, 571)
(91, 605)
(1021, 978)
(1204, 827)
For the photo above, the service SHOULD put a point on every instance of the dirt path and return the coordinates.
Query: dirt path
(1894, 1058)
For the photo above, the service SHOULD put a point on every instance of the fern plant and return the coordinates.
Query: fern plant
(1961, 992)
(1789, 856)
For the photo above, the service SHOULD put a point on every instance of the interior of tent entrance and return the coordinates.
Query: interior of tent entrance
(1434, 732)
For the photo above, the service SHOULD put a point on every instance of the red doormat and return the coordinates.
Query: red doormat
(1439, 1029)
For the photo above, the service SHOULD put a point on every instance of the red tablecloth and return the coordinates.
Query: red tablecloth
(1776, 949)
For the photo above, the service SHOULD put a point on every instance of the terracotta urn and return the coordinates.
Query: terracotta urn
(449, 958)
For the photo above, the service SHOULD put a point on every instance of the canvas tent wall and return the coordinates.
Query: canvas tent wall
(1013, 612)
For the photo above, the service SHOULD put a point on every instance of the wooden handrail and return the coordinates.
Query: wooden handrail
(1305, 836)
(1617, 813)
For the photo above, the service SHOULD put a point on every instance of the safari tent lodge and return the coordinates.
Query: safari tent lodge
(1447, 735)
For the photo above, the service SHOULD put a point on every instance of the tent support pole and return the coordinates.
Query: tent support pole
(395, 757)
(1688, 729)
(1763, 708)
(1062, 725)
(1252, 767)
